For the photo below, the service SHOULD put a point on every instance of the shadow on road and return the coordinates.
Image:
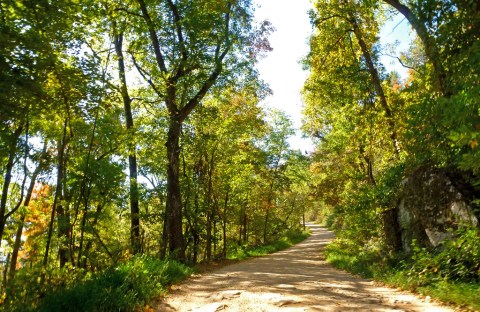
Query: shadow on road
(296, 279)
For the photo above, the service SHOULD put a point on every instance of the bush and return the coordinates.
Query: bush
(456, 260)
(123, 288)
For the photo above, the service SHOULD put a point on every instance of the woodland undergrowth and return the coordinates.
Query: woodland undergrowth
(450, 272)
(129, 286)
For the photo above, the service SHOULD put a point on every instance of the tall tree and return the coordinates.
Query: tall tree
(191, 46)
(132, 157)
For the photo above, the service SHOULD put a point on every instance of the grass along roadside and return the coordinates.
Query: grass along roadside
(422, 273)
(130, 286)
(124, 288)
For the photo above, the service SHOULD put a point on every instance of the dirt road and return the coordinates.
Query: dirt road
(297, 279)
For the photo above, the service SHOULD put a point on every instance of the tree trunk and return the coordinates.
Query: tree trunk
(225, 205)
(83, 223)
(208, 238)
(210, 210)
(8, 178)
(265, 226)
(57, 204)
(63, 216)
(377, 84)
(18, 235)
(245, 223)
(303, 220)
(132, 158)
(16, 248)
(174, 199)
(85, 193)
(214, 236)
(63, 220)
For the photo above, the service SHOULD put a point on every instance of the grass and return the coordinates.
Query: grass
(462, 294)
(127, 287)
(369, 263)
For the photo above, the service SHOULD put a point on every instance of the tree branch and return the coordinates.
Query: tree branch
(128, 12)
(431, 48)
(219, 57)
(178, 27)
(142, 73)
(400, 61)
(153, 37)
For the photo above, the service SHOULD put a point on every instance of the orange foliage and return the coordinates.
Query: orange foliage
(36, 221)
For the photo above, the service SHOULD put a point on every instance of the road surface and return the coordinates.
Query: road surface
(296, 279)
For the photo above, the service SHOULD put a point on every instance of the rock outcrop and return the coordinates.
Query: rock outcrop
(432, 204)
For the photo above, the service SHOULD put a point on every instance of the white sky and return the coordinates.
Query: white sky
(282, 70)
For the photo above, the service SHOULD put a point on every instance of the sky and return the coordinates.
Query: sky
(281, 68)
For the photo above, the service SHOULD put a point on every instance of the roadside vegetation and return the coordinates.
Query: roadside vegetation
(291, 238)
(376, 129)
(136, 284)
(133, 143)
(449, 273)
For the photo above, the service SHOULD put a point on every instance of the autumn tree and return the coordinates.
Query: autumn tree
(191, 48)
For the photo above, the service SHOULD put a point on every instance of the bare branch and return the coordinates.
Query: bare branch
(142, 73)
(400, 61)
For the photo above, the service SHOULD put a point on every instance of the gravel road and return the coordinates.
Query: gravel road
(296, 279)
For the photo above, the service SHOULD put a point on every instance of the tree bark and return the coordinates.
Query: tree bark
(132, 157)
(174, 198)
(8, 178)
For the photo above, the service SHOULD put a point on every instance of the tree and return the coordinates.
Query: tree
(191, 46)
(132, 157)
(428, 41)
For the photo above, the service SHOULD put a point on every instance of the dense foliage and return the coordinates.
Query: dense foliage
(132, 136)
(373, 128)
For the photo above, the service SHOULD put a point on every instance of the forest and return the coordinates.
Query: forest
(134, 145)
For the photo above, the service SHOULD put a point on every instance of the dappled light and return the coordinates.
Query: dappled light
(296, 279)
(146, 142)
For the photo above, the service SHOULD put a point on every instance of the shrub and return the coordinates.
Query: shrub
(123, 288)
(457, 259)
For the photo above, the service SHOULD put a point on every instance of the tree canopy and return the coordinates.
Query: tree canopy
(132, 132)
